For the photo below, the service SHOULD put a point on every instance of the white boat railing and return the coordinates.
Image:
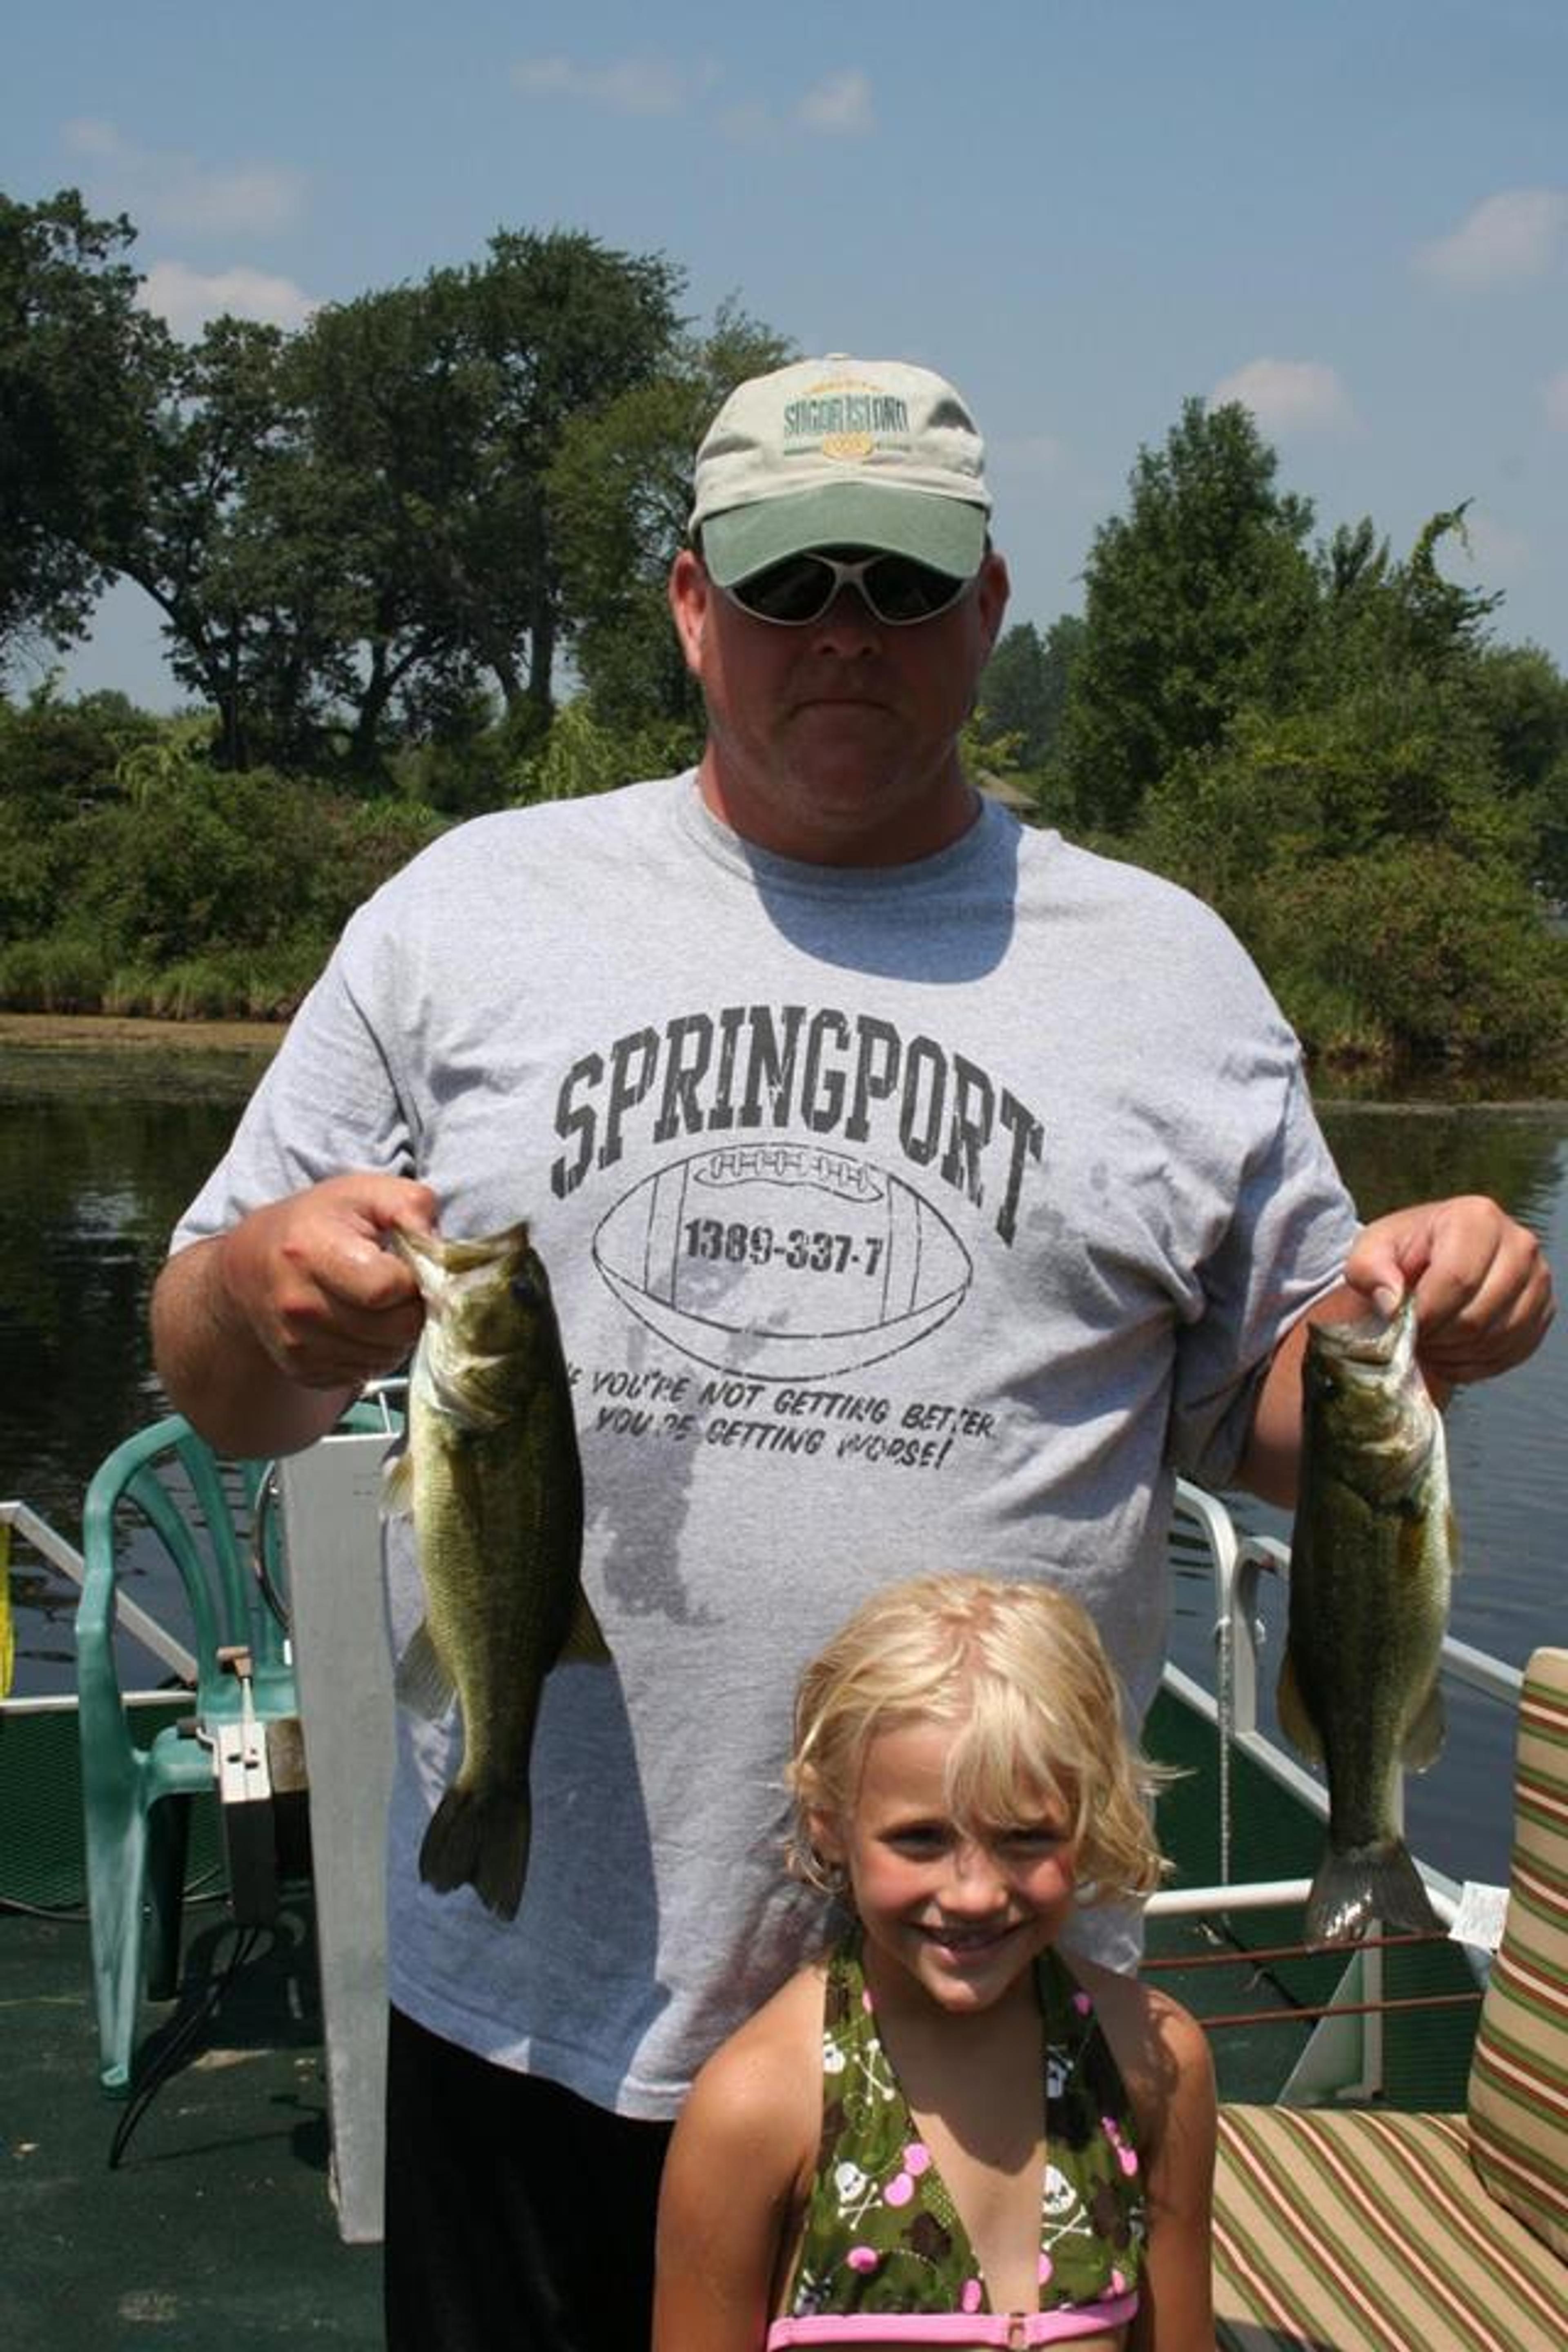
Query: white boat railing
(1350, 2062)
(19, 1519)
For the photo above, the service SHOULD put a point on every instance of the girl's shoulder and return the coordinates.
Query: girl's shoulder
(790, 2017)
(738, 2174)
(763, 2085)
(1160, 2050)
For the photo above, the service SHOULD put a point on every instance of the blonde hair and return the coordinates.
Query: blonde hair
(1021, 1671)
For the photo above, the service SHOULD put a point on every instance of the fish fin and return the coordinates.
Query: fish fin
(1360, 1883)
(1295, 1716)
(1423, 1741)
(397, 1484)
(585, 1644)
(422, 1682)
(479, 1838)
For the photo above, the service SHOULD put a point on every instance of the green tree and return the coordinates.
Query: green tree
(1024, 686)
(1521, 700)
(619, 494)
(60, 756)
(1368, 841)
(569, 327)
(81, 371)
(128, 456)
(393, 405)
(347, 530)
(428, 418)
(241, 592)
(1376, 616)
(1197, 602)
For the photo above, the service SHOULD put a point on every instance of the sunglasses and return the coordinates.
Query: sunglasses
(800, 588)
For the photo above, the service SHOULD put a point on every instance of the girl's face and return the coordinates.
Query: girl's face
(964, 1915)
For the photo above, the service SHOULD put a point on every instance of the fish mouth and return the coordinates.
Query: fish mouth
(1373, 1340)
(446, 1270)
(459, 1256)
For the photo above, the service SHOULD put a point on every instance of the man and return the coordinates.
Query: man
(916, 1192)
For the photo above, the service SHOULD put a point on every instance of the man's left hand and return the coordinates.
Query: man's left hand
(1482, 1286)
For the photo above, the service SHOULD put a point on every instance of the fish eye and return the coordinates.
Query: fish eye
(525, 1291)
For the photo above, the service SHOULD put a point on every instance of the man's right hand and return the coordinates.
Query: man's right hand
(313, 1282)
(262, 1334)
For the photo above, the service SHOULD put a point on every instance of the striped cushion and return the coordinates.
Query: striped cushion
(1360, 2231)
(1518, 2081)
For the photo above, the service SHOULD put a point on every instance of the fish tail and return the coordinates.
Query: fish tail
(478, 1837)
(1356, 1885)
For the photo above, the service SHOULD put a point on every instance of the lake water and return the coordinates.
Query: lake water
(98, 1153)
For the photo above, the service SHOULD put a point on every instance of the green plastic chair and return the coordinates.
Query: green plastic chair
(137, 1798)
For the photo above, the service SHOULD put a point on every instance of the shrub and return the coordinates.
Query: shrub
(581, 755)
(62, 972)
(249, 860)
(27, 883)
(1444, 956)
(57, 758)
(235, 983)
(361, 844)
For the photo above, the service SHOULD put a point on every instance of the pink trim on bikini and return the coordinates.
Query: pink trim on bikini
(1009, 2328)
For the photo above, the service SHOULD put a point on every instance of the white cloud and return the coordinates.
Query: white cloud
(187, 299)
(1555, 400)
(1515, 234)
(1288, 395)
(168, 191)
(647, 86)
(838, 104)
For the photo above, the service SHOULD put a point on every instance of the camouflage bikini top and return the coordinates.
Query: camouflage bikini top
(882, 2236)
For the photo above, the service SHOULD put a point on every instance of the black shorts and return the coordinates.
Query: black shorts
(519, 2217)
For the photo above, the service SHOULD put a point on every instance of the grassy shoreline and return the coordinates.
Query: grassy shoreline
(93, 1031)
(86, 1034)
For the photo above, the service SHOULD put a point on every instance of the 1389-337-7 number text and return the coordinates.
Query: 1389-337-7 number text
(806, 1253)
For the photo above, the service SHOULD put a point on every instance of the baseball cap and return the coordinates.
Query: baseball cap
(840, 452)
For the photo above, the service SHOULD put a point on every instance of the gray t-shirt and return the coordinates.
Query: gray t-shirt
(916, 1218)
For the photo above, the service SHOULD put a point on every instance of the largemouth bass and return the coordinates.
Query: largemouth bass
(491, 1474)
(1372, 1561)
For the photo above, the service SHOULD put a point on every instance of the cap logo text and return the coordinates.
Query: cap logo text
(845, 424)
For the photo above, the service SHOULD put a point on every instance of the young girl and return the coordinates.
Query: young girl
(940, 2132)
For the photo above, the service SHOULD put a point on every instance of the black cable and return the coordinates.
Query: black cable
(210, 1887)
(182, 2032)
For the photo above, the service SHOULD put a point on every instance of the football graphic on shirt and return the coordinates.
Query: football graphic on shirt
(791, 1261)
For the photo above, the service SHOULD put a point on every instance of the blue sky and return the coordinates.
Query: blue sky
(1354, 215)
